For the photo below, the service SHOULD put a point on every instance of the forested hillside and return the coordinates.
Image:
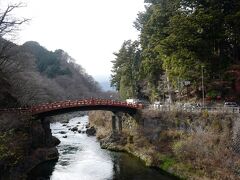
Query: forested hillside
(182, 42)
(31, 74)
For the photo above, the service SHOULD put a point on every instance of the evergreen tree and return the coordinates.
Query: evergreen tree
(125, 69)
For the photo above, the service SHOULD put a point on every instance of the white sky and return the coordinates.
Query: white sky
(90, 31)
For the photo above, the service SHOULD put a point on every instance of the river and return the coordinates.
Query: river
(81, 158)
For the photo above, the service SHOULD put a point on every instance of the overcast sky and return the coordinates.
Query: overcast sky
(90, 31)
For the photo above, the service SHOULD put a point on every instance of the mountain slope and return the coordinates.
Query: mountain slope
(35, 75)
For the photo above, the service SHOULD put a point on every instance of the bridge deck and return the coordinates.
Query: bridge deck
(89, 104)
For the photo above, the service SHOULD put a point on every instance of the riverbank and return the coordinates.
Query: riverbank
(24, 143)
(190, 146)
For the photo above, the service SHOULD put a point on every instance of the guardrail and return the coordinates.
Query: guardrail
(196, 109)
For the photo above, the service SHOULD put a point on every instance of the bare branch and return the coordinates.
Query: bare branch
(8, 23)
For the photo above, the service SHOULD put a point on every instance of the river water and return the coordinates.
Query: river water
(81, 158)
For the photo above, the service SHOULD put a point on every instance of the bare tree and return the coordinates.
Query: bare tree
(10, 24)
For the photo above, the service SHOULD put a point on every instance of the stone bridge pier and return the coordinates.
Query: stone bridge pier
(116, 123)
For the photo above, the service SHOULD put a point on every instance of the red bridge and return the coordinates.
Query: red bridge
(49, 109)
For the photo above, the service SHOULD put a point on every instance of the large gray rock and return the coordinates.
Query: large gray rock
(91, 131)
(74, 129)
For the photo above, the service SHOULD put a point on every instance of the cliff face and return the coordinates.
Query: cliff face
(192, 146)
(24, 143)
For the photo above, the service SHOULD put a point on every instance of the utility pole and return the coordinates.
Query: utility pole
(203, 103)
(169, 88)
(178, 84)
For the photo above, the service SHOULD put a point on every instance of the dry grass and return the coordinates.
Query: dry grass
(208, 152)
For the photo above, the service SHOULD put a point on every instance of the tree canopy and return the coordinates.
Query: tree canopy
(180, 37)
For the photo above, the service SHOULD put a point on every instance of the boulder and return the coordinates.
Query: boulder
(74, 129)
(91, 131)
(62, 132)
(87, 125)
